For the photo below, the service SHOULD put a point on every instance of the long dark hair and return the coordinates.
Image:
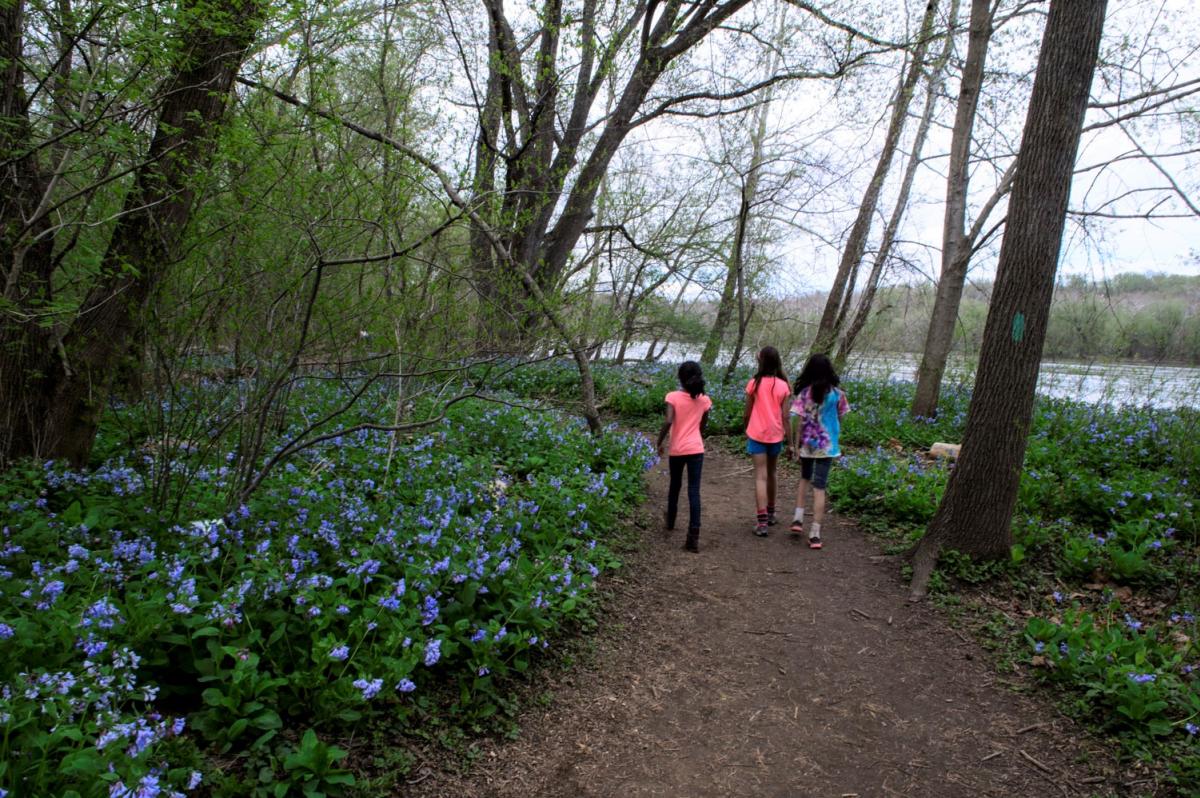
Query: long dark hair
(819, 375)
(691, 378)
(769, 365)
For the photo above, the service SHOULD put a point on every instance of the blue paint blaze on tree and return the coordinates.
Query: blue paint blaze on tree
(1018, 327)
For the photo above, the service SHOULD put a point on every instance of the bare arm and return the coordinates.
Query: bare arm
(666, 427)
(793, 434)
(789, 423)
(746, 412)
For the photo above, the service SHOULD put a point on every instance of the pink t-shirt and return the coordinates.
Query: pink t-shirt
(685, 431)
(766, 417)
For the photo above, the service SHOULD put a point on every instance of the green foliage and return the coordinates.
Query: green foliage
(358, 584)
(312, 767)
(1150, 317)
(1132, 679)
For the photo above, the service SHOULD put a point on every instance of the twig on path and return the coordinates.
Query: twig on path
(767, 632)
(961, 636)
(860, 612)
(992, 755)
(1031, 727)
(1093, 780)
(780, 668)
(756, 571)
(1040, 766)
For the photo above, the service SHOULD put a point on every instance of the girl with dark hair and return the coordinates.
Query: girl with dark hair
(816, 413)
(687, 416)
(767, 396)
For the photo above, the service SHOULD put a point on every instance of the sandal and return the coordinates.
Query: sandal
(814, 543)
(797, 527)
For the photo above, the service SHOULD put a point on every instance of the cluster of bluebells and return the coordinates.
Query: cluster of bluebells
(358, 557)
(1137, 659)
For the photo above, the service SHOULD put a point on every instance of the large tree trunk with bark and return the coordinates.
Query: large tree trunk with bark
(976, 510)
(956, 248)
(26, 345)
(842, 291)
(56, 381)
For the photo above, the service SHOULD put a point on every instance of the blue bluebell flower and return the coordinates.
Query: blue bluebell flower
(433, 652)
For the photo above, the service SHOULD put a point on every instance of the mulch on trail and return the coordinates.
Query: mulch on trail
(759, 667)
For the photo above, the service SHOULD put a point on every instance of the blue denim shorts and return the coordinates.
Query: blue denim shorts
(816, 469)
(769, 449)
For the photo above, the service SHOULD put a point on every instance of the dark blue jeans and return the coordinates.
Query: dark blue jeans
(695, 464)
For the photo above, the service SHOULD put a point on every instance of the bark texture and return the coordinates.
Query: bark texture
(55, 380)
(976, 510)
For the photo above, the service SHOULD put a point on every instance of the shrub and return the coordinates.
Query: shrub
(344, 589)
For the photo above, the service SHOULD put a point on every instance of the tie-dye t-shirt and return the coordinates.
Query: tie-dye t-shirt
(821, 426)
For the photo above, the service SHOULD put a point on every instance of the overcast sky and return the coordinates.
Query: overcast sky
(1158, 35)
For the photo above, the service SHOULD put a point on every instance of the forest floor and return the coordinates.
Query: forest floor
(761, 667)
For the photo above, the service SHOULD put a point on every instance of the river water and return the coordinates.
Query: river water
(1097, 383)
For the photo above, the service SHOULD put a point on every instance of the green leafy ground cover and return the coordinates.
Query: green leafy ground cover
(1102, 588)
(169, 647)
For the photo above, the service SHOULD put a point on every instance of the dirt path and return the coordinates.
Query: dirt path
(759, 667)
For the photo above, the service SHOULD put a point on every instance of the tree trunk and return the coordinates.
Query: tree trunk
(842, 291)
(956, 249)
(738, 259)
(627, 330)
(736, 355)
(716, 336)
(26, 347)
(934, 82)
(59, 382)
(976, 511)
(487, 143)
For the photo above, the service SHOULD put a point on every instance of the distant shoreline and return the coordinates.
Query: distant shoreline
(1057, 360)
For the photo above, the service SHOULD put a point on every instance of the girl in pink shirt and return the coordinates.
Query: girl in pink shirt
(767, 397)
(687, 414)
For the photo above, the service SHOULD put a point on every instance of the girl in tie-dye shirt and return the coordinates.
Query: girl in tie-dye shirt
(816, 415)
